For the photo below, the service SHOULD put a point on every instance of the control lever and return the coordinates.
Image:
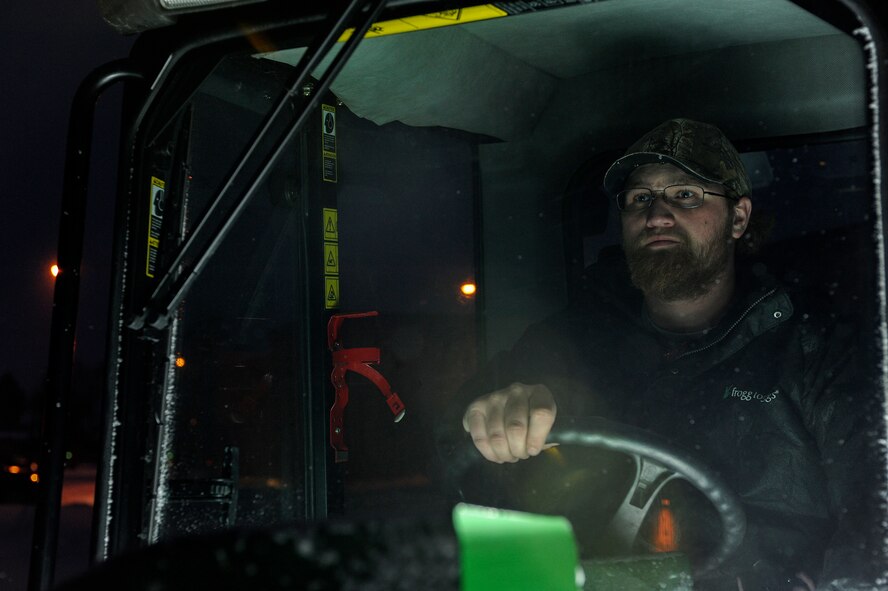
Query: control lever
(358, 360)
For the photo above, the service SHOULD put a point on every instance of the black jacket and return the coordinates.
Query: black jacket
(785, 408)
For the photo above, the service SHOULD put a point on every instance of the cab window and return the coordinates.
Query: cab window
(444, 198)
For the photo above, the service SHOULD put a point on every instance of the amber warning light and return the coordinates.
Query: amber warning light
(54, 270)
(468, 289)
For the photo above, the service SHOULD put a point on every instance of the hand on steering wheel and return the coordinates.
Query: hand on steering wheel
(511, 424)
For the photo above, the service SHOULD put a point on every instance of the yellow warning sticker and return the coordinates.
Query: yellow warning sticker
(331, 258)
(331, 224)
(434, 20)
(155, 223)
(328, 149)
(331, 289)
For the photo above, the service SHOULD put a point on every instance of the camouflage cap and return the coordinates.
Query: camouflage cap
(698, 148)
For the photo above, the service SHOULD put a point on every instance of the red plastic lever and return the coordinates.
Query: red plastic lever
(357, 360)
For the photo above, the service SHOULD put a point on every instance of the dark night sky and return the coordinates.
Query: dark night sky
(46, 49)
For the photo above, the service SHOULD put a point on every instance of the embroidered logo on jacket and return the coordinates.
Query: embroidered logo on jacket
(750, 395)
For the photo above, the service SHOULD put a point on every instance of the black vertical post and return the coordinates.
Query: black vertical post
(57, 386)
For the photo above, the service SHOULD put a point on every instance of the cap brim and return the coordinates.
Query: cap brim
(619, 171)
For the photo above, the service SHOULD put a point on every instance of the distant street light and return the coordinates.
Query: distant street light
(54, 270)
(468, 289)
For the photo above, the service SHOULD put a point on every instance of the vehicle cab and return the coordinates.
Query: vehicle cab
(332, 217)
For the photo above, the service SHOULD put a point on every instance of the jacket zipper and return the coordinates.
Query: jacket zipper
(730, 328)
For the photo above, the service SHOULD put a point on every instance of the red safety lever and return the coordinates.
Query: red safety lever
(358, 360)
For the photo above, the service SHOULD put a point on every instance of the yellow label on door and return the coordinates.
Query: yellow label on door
(331, 258)
(331, 224)
(331, 289)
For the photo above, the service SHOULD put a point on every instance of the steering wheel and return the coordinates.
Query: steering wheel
(657, 462)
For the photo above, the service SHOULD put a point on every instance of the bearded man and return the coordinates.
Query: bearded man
(674, 336)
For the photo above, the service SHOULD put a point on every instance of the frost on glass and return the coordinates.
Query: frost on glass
(114, 430)
(872, 67)
(165, 453)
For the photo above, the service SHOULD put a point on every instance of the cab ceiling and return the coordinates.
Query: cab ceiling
(505, 76)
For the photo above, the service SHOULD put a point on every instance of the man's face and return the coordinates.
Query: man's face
(676, 254)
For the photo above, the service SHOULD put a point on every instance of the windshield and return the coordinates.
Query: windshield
(441, 235)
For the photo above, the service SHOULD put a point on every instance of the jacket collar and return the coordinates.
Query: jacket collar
(760, 302)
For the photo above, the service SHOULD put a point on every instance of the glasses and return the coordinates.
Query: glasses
(680, 196)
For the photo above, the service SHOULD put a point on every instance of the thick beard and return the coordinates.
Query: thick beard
(681, 272)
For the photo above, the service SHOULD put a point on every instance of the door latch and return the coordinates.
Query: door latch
(359, 360)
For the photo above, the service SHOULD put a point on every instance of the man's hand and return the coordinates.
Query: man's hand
(511, 424)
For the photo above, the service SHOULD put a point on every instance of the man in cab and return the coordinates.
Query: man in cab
(676, 334)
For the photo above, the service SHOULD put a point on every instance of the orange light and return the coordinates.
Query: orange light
(33, 466)
(54, 270)
(13, 469)
(260, 42)
(666, 534)
(35, 478)
(468, 289)
(180, 362)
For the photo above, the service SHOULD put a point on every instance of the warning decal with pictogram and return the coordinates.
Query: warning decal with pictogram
(331, 225)
(331, 258)
(434, 20)
(331, 288)
(155, 223)
(328, 144)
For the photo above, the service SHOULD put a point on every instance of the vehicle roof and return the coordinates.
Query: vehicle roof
(757, 68)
